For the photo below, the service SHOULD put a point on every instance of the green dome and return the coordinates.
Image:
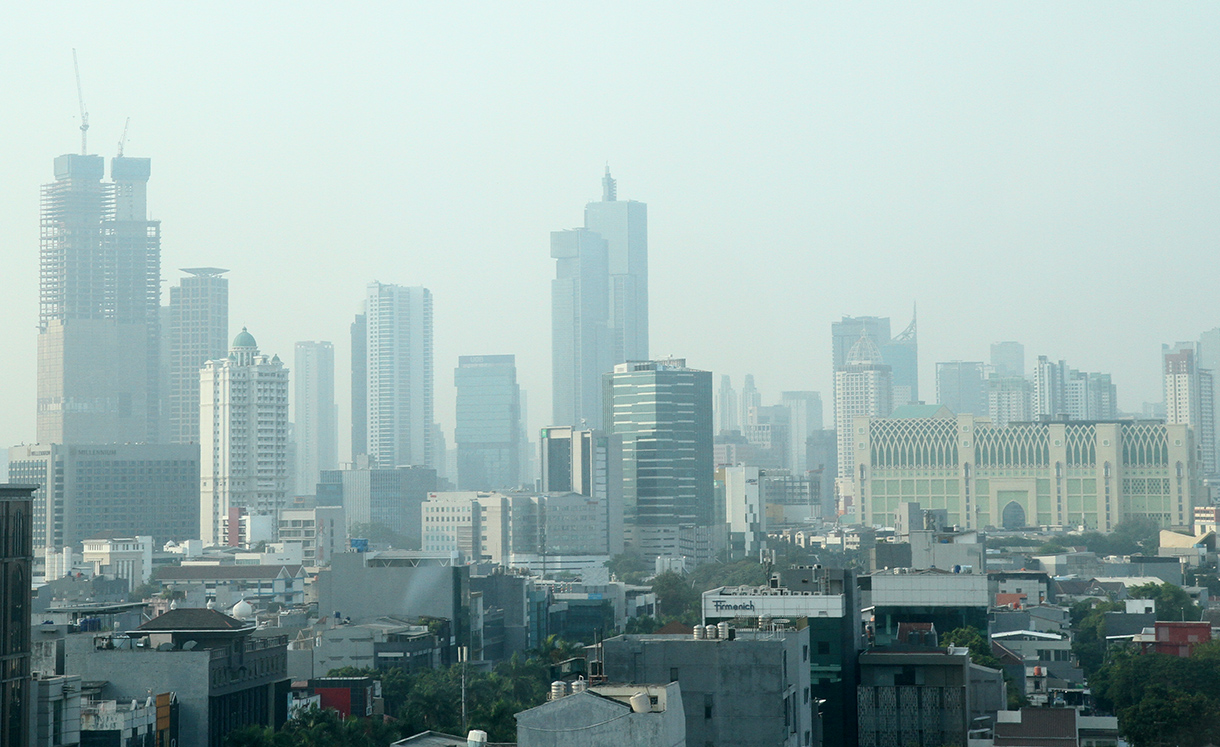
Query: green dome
(244, 340)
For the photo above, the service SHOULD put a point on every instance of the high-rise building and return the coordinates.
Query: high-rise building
(581, 338)
(488, 431)
(1189, 392)
(1062, 391)
(576, 461)
(624, 226)
(16, 565)
(900, 353)
(198, 332)
(1009, 399)
(110, 490)
(750, 401)
(804, 417)
(99, 305)
(1008, 359)
(863, 386)
(658, 418)
(315, 419)
(727, 419)
(960, 387)
(400, 380)
(244, 446)
(1207, 356)
(360, 387)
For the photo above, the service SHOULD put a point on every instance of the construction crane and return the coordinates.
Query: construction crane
(123, 139)
(84, 115)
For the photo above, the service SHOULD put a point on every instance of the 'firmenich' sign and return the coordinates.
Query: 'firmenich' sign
(723, 606)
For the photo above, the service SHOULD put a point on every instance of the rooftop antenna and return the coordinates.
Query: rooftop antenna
(123, 138)
(84, 115)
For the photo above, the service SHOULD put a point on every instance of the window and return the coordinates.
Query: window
(823, 648)
(673, 674)
(707, 706)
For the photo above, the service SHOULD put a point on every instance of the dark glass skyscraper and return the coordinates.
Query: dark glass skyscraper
(99, 302)
(658, 417)
(488, 432)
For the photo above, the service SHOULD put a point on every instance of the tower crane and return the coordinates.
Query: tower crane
(84, 115)
(123, 139)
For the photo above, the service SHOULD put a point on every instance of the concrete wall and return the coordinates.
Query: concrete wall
(366, 593)
(593, 721)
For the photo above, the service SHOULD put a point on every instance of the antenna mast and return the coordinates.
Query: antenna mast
(84, 115)
(123, 139)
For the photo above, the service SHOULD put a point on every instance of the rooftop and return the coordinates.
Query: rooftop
(192, 619)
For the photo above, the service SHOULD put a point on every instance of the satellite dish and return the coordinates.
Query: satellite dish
(189, 645)
(167, 646)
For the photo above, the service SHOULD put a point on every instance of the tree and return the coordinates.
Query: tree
(974, 640)
(380, 535)
(675, 597)
(630, 566)
(1172, 601)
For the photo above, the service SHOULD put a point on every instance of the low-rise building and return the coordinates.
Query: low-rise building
(321, 531)
(608, 716)
(946, 599)
(265, 583)
(128, 558)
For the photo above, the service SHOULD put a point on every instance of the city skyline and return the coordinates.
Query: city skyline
(1107, 208)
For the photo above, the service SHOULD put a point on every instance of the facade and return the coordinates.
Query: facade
(1043, 474)
(804, 419)
(360, 387)
(1008, 359)
(16, 568)
(624, 226)
(744, 509)
(322, 532)
(863, 387)
(582, 342)
(1189, 399)
(607, 716)
(224, 674)
(961, 388)
(244, 446)
(198, 332)
(110, 489)
(99, 328)
(315, 418)
(398, 359)
(488, 433)
(658, 418)
(387, 497)
(128, 558)
(1009, 399)
(1060, 474)
(746, 691)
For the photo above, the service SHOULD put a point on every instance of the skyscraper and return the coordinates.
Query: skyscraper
(961, 388)
(99, 302)
(900, 353)
(244, 446)
(1008, 358)
(863, 387)
(750, 401)
(804, 417)
(315, 420)
(659, 423)
(624, 226)
(726, 407)
(1009, 399)
(488, 432)
(398, 351)
(1062, 391)
(581, 338)
(198, 332)
(1189, 399)
(16, 565)
(360, 386)
(576, 461)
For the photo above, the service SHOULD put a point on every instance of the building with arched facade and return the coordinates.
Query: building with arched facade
(1042, 474)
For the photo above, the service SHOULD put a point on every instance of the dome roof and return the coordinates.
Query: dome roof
(243, 610)
(244, 340)
(864, 351)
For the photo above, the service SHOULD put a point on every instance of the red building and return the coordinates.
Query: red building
(350, 696)
(1174, 638)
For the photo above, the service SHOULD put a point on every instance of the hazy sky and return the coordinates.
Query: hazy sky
(1047, 173)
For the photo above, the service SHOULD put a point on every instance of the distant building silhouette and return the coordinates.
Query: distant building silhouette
(488, 432)
(198, 332)
(315, 425)
(398, 350)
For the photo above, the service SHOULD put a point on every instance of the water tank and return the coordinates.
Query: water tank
(723, 630)
(640, 703)
(579, 686)
(476, 738)
(558, 689)
(713, 632)
(700, 632)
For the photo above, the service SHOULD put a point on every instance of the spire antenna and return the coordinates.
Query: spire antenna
(84, 115)
(609, 186)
